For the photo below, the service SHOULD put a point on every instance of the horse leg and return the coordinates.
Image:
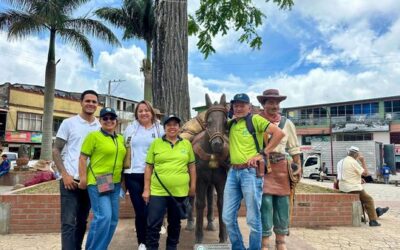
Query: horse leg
(210, 209)
(190, 220)
(201, 188)
(219, 186)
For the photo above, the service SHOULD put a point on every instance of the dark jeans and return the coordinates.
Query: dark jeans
(135, 184)
(75, 207)
(158, 205)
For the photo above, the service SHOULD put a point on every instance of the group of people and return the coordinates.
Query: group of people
(90, 156)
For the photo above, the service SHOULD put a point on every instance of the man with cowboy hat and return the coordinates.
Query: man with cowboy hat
(275, 208)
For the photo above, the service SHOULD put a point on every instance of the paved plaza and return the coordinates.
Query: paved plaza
(385, 237)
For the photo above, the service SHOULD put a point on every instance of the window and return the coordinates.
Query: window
(349, 109)
(118, 105)
(374, 108)
(311, 161)
(366, 108)
(388, 106)
(323, 112)
(56, 124)
(341, 111)
(357, 109)
(29, 121)
(124, 106)
(396, 106)
(333, 111)
(354, 137)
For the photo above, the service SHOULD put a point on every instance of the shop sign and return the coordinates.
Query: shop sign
(18, 136)
(36, 137)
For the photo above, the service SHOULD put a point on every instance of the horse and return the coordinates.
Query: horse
(211, 150)
(188, 131)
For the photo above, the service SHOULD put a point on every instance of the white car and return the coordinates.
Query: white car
(12, 157)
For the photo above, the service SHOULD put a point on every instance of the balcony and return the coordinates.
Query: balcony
(125, 115)
(310, 122)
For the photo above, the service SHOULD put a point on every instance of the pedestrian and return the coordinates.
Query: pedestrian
(139, 135)
(4, 165)
(386, 173)
(44, 173)
(323, 170)
(75, 203)
(350, 182)
(100, 170)
(275, 207)
(245, 180)
(170, 177)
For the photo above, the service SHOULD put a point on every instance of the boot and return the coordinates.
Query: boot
(374, 223)
(380, 211)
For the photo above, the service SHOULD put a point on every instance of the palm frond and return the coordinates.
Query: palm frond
(79, 41)
(94, 28)
(24, 5)
(67, 6)
(20, 24)
(113, 15)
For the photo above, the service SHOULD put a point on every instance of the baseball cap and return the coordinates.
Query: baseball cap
(108, 111)
(171, 117)
(242, 97)
(354, 149)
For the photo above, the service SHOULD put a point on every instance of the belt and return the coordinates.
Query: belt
(241, 166)
(276, 157)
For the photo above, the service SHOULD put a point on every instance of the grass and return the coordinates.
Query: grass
(53, 187)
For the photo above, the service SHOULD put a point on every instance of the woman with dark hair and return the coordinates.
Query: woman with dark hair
(138, 136)
(170, 177)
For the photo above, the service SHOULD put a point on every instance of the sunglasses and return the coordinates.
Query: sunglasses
(111, 118)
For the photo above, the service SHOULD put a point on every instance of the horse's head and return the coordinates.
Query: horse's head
(215, 121)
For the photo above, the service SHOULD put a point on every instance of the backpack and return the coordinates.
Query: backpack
(252, 131)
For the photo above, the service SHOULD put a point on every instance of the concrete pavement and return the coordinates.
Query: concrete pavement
(385, 237)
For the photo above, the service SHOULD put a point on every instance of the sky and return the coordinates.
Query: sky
(318, 52)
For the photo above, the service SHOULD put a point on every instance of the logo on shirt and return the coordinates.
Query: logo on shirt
(184, 151)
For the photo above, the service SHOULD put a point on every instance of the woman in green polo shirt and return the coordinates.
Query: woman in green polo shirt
(170, 160)
(102, 177)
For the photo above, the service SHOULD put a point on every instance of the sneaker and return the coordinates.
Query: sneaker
(163, 230)
(142, 246)
(380, 211)
(374, 223)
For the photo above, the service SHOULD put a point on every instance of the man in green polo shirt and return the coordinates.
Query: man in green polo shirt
(242, 181)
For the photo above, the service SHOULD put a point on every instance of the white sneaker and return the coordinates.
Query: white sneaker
(142, 247)
(163, 230)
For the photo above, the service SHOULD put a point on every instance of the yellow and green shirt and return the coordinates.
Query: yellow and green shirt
(171, 164)
(104, 152)
(241, 142)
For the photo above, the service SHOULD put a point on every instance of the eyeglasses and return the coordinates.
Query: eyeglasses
(111, 118)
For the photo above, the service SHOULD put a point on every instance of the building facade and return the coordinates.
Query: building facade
(21, 113)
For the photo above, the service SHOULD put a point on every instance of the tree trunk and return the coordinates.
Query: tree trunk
(50, 82)
(170, 58)
(146, 68)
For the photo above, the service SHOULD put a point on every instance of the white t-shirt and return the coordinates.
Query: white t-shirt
(74, 130)
(351, 175)
(140, 143)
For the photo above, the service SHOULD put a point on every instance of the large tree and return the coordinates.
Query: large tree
(170, 58)
(170, 46)
(29, 17)
(136, 17)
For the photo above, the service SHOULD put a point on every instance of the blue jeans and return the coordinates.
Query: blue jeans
(243, 184)
(135, 185)
(275, 213)
(105, 209)
(75, 207)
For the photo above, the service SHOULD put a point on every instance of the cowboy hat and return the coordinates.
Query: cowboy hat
(270, 94)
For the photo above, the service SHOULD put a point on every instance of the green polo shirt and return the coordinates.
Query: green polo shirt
(104, 151)
(171, 163)
(241, 142)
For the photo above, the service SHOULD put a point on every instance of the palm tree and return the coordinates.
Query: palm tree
(54, 16)
(136, 17)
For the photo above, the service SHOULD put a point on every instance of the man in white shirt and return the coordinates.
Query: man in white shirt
(350, 182)
(75, 203)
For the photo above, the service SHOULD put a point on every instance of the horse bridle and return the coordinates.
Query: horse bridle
(219, 108)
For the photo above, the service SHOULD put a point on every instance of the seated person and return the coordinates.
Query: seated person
(350, 182)
(45, 173)
(4, 165)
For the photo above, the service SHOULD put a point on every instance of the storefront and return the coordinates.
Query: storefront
(15, 139)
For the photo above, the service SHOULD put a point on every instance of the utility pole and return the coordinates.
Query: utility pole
(109, 90)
